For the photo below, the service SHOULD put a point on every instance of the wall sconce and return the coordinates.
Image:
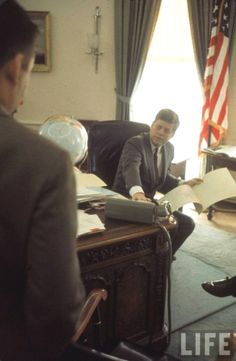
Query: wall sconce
(93, 39)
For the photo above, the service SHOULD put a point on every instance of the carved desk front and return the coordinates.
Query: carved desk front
(129, 260)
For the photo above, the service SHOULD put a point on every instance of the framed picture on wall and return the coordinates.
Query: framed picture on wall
(43, 56)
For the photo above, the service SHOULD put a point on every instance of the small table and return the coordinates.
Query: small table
(214, 161)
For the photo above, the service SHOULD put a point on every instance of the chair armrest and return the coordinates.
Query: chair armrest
(91, 303)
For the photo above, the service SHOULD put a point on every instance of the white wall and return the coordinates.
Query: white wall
(72, 87)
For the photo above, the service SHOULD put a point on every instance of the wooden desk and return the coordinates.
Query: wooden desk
(129, 260)
(214, 161)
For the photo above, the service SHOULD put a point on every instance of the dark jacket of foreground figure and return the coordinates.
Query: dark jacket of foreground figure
(41, 293)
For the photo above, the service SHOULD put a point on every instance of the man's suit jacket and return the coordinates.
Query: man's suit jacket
(41, 293)
(136, 167)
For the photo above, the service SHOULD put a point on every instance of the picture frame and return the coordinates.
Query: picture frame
(43, 51)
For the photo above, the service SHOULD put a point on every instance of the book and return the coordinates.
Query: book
(217, 185)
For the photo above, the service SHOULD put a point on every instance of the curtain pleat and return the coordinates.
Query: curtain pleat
(134, 26)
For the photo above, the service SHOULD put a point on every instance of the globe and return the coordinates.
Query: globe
(68, 133)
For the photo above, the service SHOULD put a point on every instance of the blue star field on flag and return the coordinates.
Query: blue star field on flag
(224, 17)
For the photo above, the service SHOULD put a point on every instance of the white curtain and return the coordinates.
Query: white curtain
(170, 78)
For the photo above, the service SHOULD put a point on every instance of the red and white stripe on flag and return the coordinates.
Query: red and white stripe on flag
(216, 77)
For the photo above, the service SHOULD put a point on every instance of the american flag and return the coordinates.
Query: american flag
(215, 108)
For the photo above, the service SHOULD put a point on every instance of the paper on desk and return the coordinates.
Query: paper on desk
(86, 194)
(87, 179)
(88, 223)
(86, 191)
(104, 191)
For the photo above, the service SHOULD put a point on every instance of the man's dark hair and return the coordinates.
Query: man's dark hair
(168, 116)
(17, 32)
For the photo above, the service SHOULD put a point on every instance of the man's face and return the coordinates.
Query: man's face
(23, 83)
(161, 132)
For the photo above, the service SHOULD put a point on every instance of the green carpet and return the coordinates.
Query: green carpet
(214, 247)
(221, 321)
(208, 254)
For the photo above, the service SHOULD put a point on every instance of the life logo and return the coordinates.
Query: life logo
(207, 343)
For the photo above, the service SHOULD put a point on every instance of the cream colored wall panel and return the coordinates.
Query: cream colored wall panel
(72, 86)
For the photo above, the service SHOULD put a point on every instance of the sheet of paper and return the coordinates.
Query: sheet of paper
(180, 196)
(217, 185)
(88, 223)
(87, 179)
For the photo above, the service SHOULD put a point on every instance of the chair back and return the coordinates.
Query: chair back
(105, 143)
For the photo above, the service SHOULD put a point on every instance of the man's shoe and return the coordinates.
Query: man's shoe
(221, 288)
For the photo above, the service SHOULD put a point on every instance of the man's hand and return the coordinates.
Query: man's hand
(139, 196)
(194, 181)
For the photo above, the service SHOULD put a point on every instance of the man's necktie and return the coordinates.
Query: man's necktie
(155, 163)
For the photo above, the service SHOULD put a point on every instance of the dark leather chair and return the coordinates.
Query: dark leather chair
(125, 351)
(105, 143)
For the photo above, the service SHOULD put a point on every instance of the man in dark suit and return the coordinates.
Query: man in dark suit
(144, 169)
(41, 292)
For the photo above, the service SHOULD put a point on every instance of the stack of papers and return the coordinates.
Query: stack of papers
(86, 194)
(88, 223)
(89, 187)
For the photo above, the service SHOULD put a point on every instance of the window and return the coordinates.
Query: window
(170, 79)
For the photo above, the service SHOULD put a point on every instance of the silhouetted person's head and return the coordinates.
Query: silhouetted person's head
(17, 47)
